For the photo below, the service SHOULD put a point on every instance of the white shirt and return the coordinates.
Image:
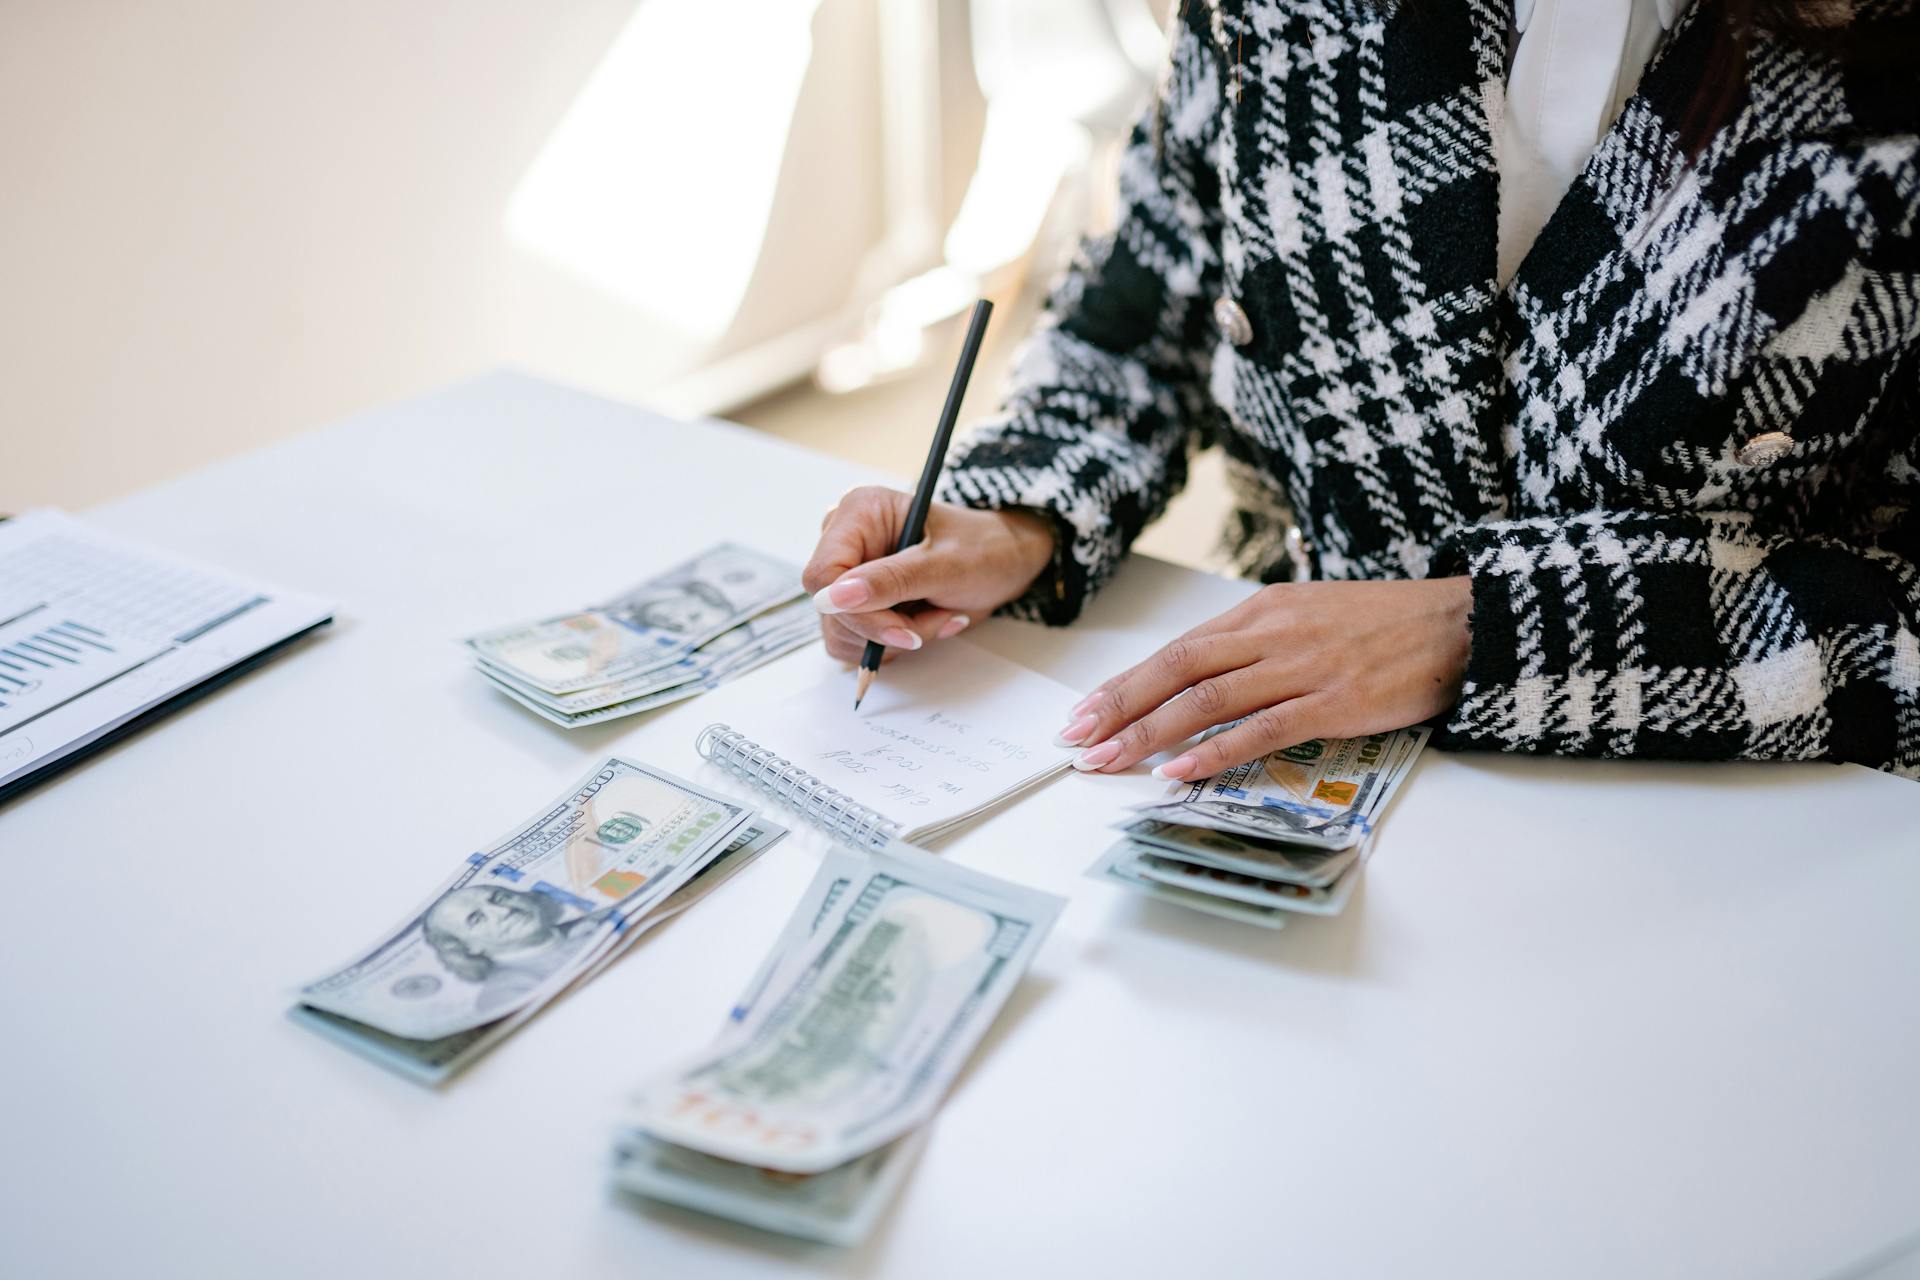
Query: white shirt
(1576, 64)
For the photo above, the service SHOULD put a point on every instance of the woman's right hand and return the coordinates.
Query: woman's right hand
(968, 564)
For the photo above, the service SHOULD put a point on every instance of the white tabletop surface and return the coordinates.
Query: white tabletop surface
(1582, 1019)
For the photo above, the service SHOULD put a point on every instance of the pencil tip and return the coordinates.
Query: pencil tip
(856, 704)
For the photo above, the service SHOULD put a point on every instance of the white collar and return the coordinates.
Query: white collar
(1668, 11)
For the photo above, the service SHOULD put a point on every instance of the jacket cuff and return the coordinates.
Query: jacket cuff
(1489, 715)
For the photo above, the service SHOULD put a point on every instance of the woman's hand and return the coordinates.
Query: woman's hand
(1298, 660)
(968, 564)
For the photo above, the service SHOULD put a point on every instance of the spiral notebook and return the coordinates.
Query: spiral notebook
(941, 738)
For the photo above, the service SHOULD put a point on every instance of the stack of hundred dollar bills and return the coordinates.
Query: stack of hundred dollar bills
(719, 615)
(549, 904)
(1286, 833)
(804, 1115)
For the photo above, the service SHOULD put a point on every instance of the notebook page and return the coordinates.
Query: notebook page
(942, 734)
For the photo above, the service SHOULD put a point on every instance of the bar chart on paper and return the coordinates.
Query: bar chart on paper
(48, 656)
(96, 633)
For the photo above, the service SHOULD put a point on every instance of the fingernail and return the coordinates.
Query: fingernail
(955, 625)
(1096, 757)
(899, 638)
(1085, 705)
(1176, 769)
(836, 597)
(1076, 732)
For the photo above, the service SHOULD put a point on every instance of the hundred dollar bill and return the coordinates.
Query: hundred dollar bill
(438, 1060)
(647, 627)
(760, 835)
(838, 1206)
(716, 657)
(850, 1039)
(1117, 865)
(523, 918)
(1199, 876)
(1323, 793)
(730, 667)
(735, 667)
(1306, 865)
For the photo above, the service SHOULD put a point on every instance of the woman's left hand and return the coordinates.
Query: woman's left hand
(1299, 660)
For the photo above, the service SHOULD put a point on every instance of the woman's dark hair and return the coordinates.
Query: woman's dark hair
(1865, 36)
(1880, 38)
(1877, 41)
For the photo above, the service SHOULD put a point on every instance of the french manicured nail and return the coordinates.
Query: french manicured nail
(1177, 769)
(1076, 732)
(838, 597)
(1097, 757)
(899, 638)
(955, 625)
(1085, 705)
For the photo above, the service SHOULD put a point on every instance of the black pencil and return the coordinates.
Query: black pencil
(916, 525)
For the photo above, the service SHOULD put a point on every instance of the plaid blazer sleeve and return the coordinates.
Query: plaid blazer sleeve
(1704, 635)
(1095, 429)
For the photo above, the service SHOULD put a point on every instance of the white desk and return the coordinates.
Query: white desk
(1582, 1019)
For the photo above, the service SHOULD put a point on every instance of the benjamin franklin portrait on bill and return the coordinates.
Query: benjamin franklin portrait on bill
(506, 941)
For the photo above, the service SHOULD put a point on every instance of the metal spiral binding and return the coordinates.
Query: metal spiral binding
(788, 783)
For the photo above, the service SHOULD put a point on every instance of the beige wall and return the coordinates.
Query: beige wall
(222, 221)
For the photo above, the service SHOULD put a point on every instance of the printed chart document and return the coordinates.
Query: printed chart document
(941, 737)
(97, 636)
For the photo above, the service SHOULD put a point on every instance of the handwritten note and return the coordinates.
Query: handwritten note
(941, 735)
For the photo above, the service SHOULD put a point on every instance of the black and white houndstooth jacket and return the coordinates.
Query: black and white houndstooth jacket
(1577, 442)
